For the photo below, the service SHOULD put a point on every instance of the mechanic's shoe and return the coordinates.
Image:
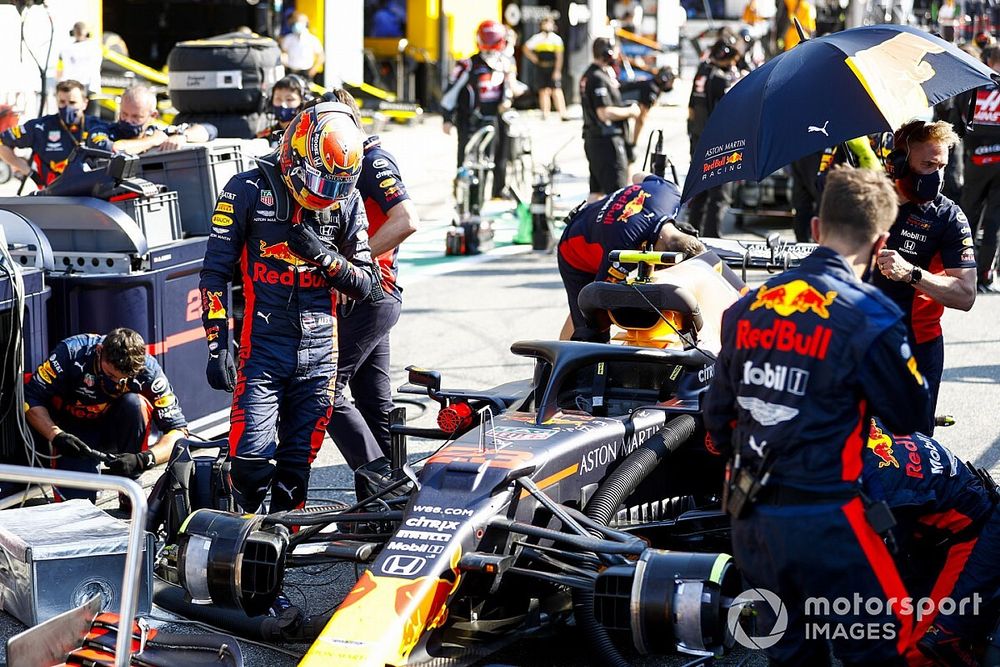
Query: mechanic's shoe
(988, 288)
(376, 476)
(280, 605)
(947, 648)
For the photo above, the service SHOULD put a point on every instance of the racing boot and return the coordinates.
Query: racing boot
(947, 648)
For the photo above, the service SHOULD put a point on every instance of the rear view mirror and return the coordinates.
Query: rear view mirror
(422, 377)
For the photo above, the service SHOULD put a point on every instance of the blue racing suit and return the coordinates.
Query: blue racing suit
(804, 358)
(287, 361)
(51, 141)
(944, 506)
(627, 219)
(84, 402)
(361, 429)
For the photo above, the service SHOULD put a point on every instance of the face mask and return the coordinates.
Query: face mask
(125, 130)
(923, 188)
(68, 114)
(284, 114)
(299, 27)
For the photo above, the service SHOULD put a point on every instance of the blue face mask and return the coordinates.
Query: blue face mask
(284, 114)
(68, 115)
(926, 187)
(299, 27)
(125, 130)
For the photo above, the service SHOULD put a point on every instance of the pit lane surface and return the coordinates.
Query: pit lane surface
(461, 315)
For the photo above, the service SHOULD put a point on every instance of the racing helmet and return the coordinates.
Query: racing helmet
(320, 155)
(491, 36)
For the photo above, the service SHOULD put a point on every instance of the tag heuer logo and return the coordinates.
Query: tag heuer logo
(267, 198)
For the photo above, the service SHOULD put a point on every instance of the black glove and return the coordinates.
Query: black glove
(304, 243)
(67, 443)
(131, 465)
(221, 370)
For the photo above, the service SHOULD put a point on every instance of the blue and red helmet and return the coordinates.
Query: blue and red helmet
(321, 154)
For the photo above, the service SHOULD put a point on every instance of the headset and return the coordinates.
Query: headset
(296, 84)
(898, 159)
(723, 49)
(604, 48)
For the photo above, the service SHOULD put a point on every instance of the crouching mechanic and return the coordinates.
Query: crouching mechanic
(949, 530)
(296, 229)
(100, 392)
(803, 358)
(637, 217)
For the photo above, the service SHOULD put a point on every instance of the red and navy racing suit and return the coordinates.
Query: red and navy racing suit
(287, 362)
(51, 141)
(934, 236)
(804, 358)
(477, 93)
(361, 430)
(86, 403)
(944, 506)
(628, 219)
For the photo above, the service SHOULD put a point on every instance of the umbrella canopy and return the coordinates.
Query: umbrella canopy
(823, 92)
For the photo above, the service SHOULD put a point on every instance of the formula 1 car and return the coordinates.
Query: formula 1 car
(539, 508)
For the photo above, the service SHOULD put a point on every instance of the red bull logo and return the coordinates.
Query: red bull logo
(280, 251)
(213, 303)
(797, 296)
(633, 206)
(784, 336)
(723, 161)
(881, 445)
(305, 279)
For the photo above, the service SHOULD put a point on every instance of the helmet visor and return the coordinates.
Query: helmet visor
(327, 186)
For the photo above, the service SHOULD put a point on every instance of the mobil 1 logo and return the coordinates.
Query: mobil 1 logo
(776, 377)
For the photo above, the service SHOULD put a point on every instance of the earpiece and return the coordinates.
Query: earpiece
(898, 159)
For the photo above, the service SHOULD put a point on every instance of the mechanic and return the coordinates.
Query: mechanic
(139, 129)
(52, 138)
(715, 76)
(941, 505)
(479, 92)
(99, 392)
(295, 229)
(929, 263)
(287, 96)
(638, 217)
(545, 50)
(301, 50)
(361, 429)
(803, 360)
(605, 121)
(981, 193)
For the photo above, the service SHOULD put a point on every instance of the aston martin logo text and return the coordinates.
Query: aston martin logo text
(307, 279)
(784, 336)
(777, 377)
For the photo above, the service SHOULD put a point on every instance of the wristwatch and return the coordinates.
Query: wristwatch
(915, 275)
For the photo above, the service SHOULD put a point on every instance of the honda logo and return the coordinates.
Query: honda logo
(403, 566)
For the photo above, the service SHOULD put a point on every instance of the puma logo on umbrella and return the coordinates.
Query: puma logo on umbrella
(813, 128)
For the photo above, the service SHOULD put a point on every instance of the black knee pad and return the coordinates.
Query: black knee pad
(251, 479)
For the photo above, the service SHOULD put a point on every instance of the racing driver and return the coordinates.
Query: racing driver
(803, 359)
(296, 228)
(637, 217)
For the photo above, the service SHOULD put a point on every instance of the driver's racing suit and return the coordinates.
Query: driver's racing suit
(941, 506)
(803, 359)
(287, 360)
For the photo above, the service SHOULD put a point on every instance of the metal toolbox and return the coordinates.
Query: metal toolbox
(55, 557)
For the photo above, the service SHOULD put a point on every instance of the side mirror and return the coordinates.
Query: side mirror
(430, 380)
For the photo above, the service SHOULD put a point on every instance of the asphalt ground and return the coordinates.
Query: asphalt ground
(461, 315)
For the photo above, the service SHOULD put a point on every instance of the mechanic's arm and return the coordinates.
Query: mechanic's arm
(557, 68)
(718, 408)
(165, 445)
(18, 164)
(140, 144)
(39, 419)
(402, 221)
(611, 114)
(449, 99)
(955, 289)
(318, 59)
(894, 387)
(529, 53)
